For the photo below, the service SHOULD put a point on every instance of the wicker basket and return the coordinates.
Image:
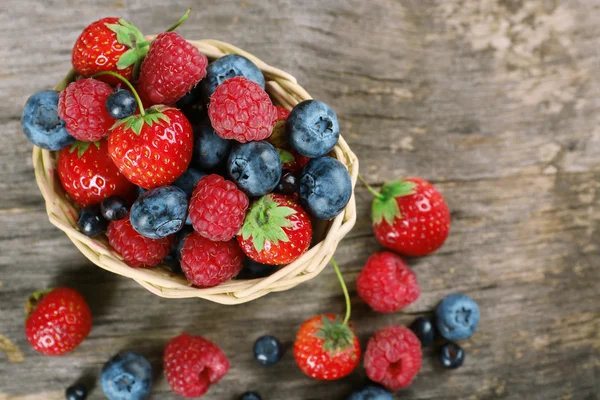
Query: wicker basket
(284, 89)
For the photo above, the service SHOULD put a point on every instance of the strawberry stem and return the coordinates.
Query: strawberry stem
(345, 290)
(181, 20)
(129, 85)
(373, 191)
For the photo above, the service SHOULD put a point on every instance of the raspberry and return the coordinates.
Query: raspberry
(240, 109)
(206, 263)
(393, 357)
(217, 208)
(386, 283)
(171, 68)
(192, 364)
(137, 250)
(81, 106)
(281, 113)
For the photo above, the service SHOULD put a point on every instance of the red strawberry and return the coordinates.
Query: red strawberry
(58, 321)
(326, 348)
(172, 68)
(110, 44)
(88, 175)
(152, 149)
(410, 216)
(276, 231)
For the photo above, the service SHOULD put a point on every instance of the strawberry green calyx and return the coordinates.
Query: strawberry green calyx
(152, 116)
(385, 206)
(33, 301)
(81, 148)
(130, 36)
(285, 156)
(336, 335)
(265, 222)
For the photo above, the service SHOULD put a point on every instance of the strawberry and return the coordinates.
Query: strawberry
(326, 348)
(58, 320)
(88, 175)
(276, 230)
(410, 216)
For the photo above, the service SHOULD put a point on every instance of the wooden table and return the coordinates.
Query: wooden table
(496, 102)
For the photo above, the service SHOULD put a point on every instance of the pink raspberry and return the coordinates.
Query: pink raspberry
(206, 263)
(82, 106)
(240, 109)
(282, 113)
(386, 283)
(393, 357)
(217, 208)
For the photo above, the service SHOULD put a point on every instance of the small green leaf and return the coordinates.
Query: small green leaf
(398, 189)
(285, 156)
(133, 30)
(97, 144)
(124, 35)
(137, 125)
(385, 209)
(128, 58)
(81, 147)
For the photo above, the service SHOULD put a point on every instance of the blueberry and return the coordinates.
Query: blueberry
(188, 180)
(227, 67)
(209, 149)
(452, 356)
(120, 104)
(41, 124)
(423, 328)
(250, 396)
(457, 317)
(255, 167)
(159, 212)
(253, 270)
(91, 222)
(114, 208)
(191, 98)
(127, 376)
(371, 392)
(325, 187)
(312, 128)
(139, 191)
(288, 184)
(193, 106)
(267, 350)
(76, 392)
(174, 257)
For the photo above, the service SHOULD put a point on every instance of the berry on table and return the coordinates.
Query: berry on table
(288, 184)
(159, 212)
(188, 181)
(386, 283)
(253, 270)
(371, 392)
(267, 350)
(240, 109)
(255, 167)
(192, 364)
(312, 128)
(57, 321)
(217, 208)
(82, 106)
(206, 263)
(457, 317)
(137, 250)
(210, 150)
(424, 329)
(276, 230)
(121, 104)
(250, 396)
(114, 208)
(228, 67)
(393, 357)
(76, 392)
(452, 356)
(91, 222)
(325, 187)
(40, 122)
(127, 376)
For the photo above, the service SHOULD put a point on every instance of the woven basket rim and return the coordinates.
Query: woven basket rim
(286, 91)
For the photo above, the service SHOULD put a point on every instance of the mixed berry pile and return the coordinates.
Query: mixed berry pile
(185, 162)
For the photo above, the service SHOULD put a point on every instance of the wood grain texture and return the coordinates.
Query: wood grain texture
(496, 102)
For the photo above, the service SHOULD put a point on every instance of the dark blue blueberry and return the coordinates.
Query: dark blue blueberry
(173, 260)
(254, 270)
(267, 350)
(288, 184)
(312, 128)
(91, 222)
(114, 208)
(250, 396)
(127, 376)
(255, 167)
(139, 191)
(371, 392)
(190, 99)
(121, 104)
(424, 329)
(188, 180)
(209, 149)
(159, 212)
(41, 124)
(76, 392)
(452, 356)
(457, 317)
(228, 67)
(193, 106)
(325, 187)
